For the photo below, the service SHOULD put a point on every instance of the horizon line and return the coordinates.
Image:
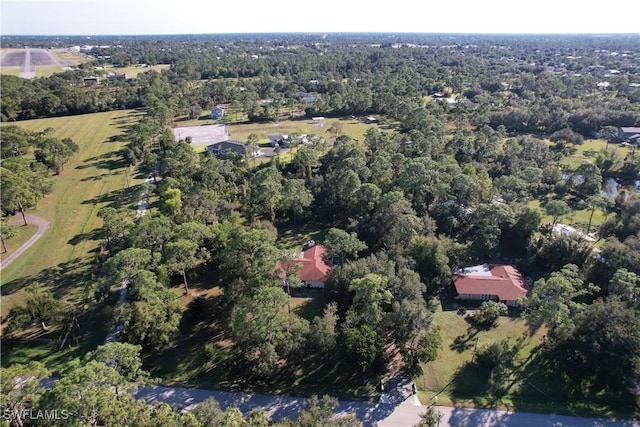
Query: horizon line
(332, 32)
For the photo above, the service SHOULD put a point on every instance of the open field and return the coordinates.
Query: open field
(132, 71)
(240, 131)
(587, 152)
(94, 177)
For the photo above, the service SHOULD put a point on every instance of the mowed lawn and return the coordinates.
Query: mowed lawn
(459, 341)
(528, 385)
(96, 176)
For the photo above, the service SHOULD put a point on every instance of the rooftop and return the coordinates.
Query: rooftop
(504, 281)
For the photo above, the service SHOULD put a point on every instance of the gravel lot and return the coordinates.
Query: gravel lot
(202, 135)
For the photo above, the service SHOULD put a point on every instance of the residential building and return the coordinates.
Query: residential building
(494, 282)
(311, 265)
(629, 134)
(224, 148)
(217, 113)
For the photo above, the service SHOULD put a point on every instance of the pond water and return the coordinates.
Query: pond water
(611, 187)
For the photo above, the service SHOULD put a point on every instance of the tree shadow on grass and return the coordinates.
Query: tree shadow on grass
(114, 162)
(95, 234)
(60, 279)
(462, 343)
(470, 382)
(543, 388)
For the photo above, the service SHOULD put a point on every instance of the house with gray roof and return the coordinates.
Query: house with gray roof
(629, 134)
(232, 148)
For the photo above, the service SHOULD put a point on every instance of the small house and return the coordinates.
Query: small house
(217, 113)
(629, 134)
(226, 148)
(490, 282)
(311, 265)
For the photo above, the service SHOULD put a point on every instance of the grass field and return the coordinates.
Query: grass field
(241, 131)
(528, 386)
(133, 71)
(589, 150)
(94, 177)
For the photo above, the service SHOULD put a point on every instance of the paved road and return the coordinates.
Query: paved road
(43, 226)
(370, 414)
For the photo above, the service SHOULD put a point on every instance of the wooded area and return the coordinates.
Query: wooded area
(471, 159)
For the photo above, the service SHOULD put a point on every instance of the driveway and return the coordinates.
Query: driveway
(43, 226)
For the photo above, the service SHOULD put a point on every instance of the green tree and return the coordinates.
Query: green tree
(296, 197)
(556, 209)
(626, 284)
(7, 231)
(422, 347)
(39, 306)
(335, 129)
(53, 152)
(208, 413)
(342, 244)
(323, 332)
(319, 412)
(604, 346)
(116, 224)
(152, 317)
(21, 389)
(266, 189)
(22, 186)
(247, 260)
(171, 202)
(364, 345)
(90, 393)
(489, 313)
(184, 255)
(555, 300)
(123, 357)
(596, 202)
(430, 418)
(371, 297)
(263, 327)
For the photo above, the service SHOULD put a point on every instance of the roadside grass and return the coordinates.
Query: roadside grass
(96, 176)
(23, 233)
(530, 385)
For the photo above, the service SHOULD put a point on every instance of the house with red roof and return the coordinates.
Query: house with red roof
(495, 282)
(311, 267)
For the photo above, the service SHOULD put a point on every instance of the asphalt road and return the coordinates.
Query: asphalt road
(43, 226)
(370, 414)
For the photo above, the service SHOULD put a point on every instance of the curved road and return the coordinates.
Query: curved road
(43, 226)
(406, 413)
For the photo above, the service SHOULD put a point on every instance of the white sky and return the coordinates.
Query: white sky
(94, 17)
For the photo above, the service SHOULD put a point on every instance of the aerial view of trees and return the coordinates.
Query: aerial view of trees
(481, 146)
